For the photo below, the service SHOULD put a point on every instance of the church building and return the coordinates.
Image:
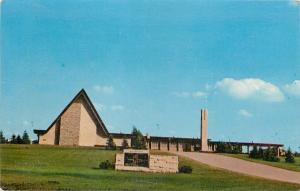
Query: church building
(79, 124)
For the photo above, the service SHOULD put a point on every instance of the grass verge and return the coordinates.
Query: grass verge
(38, 167)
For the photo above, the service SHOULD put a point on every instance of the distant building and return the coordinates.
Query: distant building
(79, 124)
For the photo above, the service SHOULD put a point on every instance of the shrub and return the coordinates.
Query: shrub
(270, 155)
(289, 157)
(223, 147)
(260, 153)
(220, 147)
(255, 153)
(185, 169)
(106, 165)
(236, 149)
(110, 145)
(125, 144)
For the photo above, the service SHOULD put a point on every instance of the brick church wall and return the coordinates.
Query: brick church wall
(49, 137)
(70, 125)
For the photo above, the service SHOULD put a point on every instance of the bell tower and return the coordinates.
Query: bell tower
(204, 118)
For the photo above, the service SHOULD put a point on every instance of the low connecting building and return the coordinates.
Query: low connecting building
(79, 124)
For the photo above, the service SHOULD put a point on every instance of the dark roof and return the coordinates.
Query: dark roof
(249, 143)
(91, 106)
(121, 135)
(179, 139)
(39, 132)
(157, 138)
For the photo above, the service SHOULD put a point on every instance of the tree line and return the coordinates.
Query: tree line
(15, 139)
(270, 154)
(223, 147)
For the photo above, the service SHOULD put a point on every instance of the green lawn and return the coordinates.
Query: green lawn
(37, 167)
(281, 164)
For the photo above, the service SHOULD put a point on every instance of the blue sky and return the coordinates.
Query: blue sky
(155, 64)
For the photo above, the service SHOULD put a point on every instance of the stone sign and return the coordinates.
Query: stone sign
(141, 160)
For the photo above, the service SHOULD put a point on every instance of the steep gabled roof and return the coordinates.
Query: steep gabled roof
(90, 105)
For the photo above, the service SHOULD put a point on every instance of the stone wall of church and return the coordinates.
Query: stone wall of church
(49, 137)
(70, 125)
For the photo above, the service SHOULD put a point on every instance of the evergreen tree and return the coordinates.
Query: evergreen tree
(270, 155)
(25, 138)
(228, 148)
(221, 147)
(110, 143)
(19, 140)
(125, 144)
(138, 141)
(273, 155)
(289, 157)
(260, 153)
(13, 139)
(2, 138)
(236, 149)
(254, 153)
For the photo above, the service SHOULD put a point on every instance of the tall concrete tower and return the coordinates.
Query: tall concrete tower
(204, 118)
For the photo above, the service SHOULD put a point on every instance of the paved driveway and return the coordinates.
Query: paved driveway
(244, 167)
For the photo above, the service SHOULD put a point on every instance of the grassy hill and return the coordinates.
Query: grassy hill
(52, 167)
(281, 164)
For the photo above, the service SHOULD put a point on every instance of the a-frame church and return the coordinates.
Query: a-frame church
(79, 124)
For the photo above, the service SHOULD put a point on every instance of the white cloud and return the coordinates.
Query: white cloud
(208, 87)
(117, 107)
(104, 89)
(245, 113)
(101, 108)
(199, 94)
(294, 2)
(250, 89)
(293, 88)
(184, 94)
